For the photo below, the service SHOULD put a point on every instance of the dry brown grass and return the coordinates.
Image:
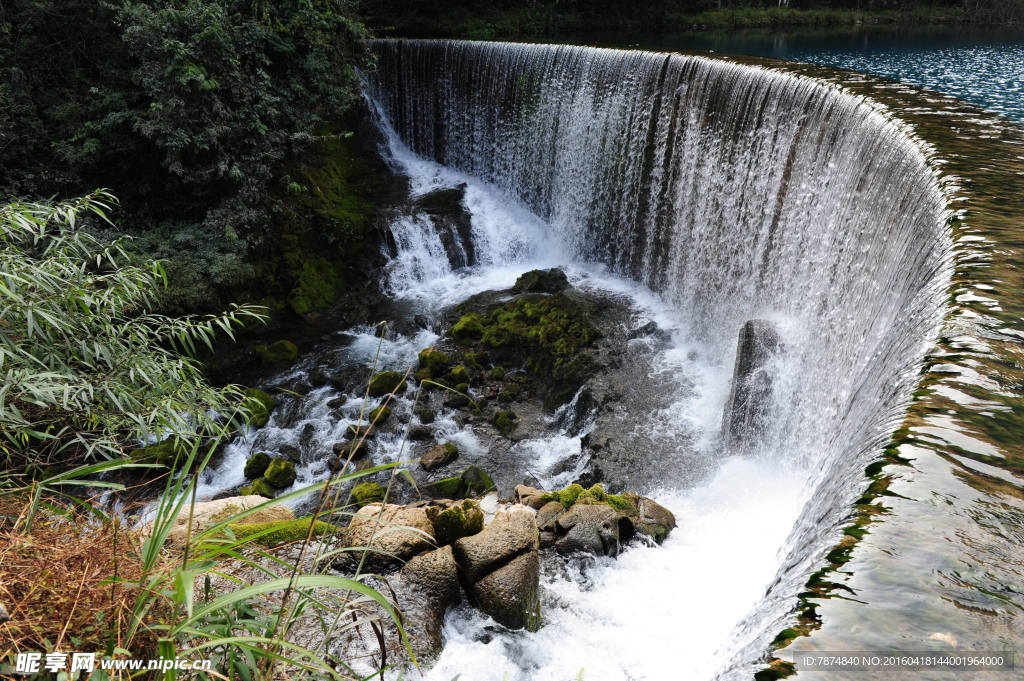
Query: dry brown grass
(66, 584)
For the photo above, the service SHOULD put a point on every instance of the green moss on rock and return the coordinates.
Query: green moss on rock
(504, 421)
(259, 405)
(317, 285)
(497, 373)
(165, 452)
(477, 481)
(380, 415)
(473, 361)
(458, 375)
(280, 473)
(386, 382)
(367, 493)
(456, 522)
(277, 353)
(259, 486)
(469, 329)
(279, 532)
(433, 361)
(449, 488)
(257, 464)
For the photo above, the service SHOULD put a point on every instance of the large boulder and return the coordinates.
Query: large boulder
(256, 466)
(542, 281)
(511, 594)
(280, 473)
(425, 588)
(206, 513)
(454, 225)
(512, 532)
(651, 519)
(394, 535)
(591, 528)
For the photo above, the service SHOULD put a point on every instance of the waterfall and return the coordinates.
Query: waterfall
(735, 192)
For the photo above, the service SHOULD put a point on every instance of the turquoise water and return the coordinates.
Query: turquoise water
(982, 66)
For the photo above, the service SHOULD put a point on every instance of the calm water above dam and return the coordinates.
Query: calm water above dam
(984, 66)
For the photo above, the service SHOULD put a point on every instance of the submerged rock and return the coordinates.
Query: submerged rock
(750, 396)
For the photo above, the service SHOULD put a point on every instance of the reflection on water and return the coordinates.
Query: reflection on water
(982, 65)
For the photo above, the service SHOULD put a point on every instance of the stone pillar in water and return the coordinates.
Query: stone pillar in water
(750, 396)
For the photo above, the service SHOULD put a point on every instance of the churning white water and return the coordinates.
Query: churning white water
(729, 192)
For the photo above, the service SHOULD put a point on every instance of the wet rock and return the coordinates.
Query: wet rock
(421, 321)
(379, 415)
(542, 281)
(367, 530)
(439, 456)
(256, 465)
(651, 519)
(477, 481)
(290, 452)
(643, 331)
(387, 382)
(504, 421)
(426, 588)
(418, 433)
(426, 415)
(317, 378)
(511, 594)
(446, 488)
(359, 432)
(364, 448)
(591, 528)
(453, 223)
(280, 473)
(337, 402)
(511, 533)
(750, 397)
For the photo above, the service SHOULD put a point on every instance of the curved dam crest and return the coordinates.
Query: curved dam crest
(736, 192)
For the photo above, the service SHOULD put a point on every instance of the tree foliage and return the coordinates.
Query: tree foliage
(185, 108)
(86, 368)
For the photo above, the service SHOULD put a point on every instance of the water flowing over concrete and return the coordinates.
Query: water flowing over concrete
(735, 192)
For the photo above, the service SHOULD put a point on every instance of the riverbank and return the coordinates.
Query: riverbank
(525, 23)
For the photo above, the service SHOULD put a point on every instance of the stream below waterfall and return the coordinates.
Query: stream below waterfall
(697, 194)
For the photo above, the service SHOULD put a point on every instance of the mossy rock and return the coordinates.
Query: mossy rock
(277, 353)
(433, 361)
(577, 494)
(426, 416)
(448, 488)
(367, 493)
(165, 452)
(279, 532)
(257, 464)
(469, 329)
(497, 373)
(259, 404)
(504, 421)
(462, 388)
(549, 330)
(542, 281)
(477, 481)
(387, 382)
(259, 486)
(318, 284)
(280, 473)
(380, 415)
(458, 375)
(458, 521)
(423, 375)
(473, 361)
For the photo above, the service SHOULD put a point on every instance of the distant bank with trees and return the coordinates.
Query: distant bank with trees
(537, 18)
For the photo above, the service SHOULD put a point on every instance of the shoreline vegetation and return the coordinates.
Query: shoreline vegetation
(525, 20)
